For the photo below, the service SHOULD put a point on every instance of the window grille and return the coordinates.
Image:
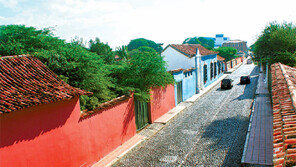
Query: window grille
(215, 70)
(205, 69)
(212, 70)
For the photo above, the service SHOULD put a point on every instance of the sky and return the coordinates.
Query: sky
(116, 22)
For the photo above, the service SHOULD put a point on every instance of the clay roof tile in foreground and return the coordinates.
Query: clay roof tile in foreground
(284, 114)
(190, 49)
(25, 81)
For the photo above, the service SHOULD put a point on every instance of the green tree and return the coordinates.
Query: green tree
(121, 52)
(277, 43)
(227, 52)
(103, 50)
(136, 43)
(72, 62)
(191, 40)
(144, 69)
(207, 43)
(93, 69)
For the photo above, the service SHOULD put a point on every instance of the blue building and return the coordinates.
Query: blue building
(194, 68)
(211, 68)
(185, 84)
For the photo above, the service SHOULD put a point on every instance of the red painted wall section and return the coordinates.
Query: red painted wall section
(55, 134)
(162, 100)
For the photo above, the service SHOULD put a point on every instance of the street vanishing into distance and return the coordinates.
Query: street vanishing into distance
(211, 132)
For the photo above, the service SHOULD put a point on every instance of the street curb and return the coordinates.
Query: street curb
(169, 116)
(120, 151)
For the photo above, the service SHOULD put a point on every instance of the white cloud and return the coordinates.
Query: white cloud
(9, 3)
(167, 21)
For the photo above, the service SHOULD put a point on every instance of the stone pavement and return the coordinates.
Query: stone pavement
(152, 129)
(259, 146)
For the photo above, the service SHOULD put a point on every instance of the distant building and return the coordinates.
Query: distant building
(220, 39)
(240, 45)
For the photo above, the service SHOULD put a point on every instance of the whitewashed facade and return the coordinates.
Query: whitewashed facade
(176, 59)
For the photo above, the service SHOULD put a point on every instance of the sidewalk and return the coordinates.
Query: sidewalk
(258, 148)
(158, 124)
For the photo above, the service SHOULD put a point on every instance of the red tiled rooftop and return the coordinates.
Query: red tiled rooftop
(181, 69)
(219, 58)
(284, 114)
(190, 49)
(176, 70)
(25, 81)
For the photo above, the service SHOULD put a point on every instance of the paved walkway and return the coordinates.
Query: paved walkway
(154, 128)
(258, 146)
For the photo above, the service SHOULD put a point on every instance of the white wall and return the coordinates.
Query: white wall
(176, 60)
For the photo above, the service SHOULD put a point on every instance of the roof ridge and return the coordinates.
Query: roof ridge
(290, 85)
(14, 56)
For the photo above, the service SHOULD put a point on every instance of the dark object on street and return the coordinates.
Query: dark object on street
(249, 61)
(245, 80)
(226, 84)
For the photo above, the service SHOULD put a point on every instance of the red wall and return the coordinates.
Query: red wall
(55, 135)
(162, 100)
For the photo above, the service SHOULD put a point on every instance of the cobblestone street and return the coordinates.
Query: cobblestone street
(211, 132)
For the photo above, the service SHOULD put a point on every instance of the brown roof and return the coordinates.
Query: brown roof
(25, 81)
(284, 114)
(190, 49)
(181, 69)
(176, 70)
(219, 58)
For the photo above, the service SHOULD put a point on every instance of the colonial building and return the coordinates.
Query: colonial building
(194, 68)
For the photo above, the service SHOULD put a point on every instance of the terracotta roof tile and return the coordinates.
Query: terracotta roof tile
(176, 70)
(219, 58)
(25, 81)
(181, 70)
(284, 114)
(190, 49)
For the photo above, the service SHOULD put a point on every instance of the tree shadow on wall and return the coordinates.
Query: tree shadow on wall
(158, 96)
(32, 122)
(129, 118)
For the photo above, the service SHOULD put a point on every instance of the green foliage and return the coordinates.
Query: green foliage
(103, 50)
(285, 57)
(207, 43)
(121, 52)
(147, 49)
(277, 43)
(136, 43)
(191, 40)
(92, 69)
(70, 61)
(227, 52)
(16, 40)
(88, 103)
(144, 69)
